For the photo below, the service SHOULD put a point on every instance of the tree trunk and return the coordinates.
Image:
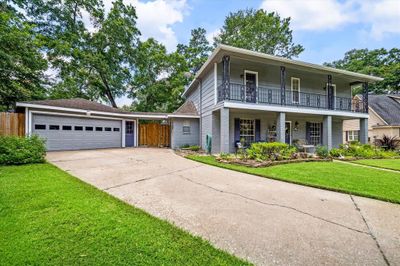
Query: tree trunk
(108, 91)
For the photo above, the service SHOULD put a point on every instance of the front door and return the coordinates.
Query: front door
(288, 132)
(129, 134)
(251, 85)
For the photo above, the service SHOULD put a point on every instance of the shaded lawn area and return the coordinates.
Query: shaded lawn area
(49, 217)
(393, 164)
(336, 176)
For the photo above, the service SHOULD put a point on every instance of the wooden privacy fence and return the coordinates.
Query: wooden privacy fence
(12, 124)
(154, 134)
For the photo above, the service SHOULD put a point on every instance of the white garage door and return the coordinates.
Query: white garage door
(74, 133)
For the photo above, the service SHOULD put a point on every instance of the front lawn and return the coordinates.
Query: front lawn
(393, 164)
(352, 179)
(49, 217)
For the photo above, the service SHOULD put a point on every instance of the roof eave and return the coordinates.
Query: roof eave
(227, 48)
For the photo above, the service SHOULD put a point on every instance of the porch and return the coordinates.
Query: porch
(230, 126)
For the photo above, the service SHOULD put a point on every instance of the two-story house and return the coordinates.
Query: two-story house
(245, 95)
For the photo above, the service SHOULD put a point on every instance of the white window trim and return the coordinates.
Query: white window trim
(254, 128)
(291, 87)
(320, 130)
(250, 72)
(352, 135)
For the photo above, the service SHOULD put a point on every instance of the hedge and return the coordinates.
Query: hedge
(21, 150)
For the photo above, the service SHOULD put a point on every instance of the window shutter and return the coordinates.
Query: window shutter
(347, 135)
(321, 135)
(237, 130)
(308, 136)
(257, 133)
(358, 135)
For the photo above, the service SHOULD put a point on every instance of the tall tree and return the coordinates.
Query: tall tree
(260, 31)
(197, 51)
(22, 65)
(94, 54)
(160, 78)
(379, 62)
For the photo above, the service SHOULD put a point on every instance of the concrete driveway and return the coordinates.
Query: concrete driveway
(262, 220)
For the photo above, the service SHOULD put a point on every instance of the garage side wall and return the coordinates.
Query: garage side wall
(180, 137)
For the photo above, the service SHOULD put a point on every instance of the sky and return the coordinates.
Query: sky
(326, 28)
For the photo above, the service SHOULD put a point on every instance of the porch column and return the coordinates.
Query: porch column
(329, 90)
(365, 97)
(364, 130)
(226, 77)
(327, 132)
(280, 127)
(224, 130)
(283, 85)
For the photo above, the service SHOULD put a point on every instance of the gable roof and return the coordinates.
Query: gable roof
(223, 49)
(187, 108)
(386, 107)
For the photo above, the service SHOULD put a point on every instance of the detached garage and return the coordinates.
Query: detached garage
(79, 124)
(75, 133)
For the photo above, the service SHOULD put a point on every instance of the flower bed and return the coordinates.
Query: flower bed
(255, 163)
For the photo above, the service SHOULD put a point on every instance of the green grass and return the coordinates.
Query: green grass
(49, 217)
(393, 164)
(336, 176)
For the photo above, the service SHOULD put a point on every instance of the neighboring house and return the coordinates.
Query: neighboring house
(236, 95)
(384, 118)
(252, 96)
(75, 124)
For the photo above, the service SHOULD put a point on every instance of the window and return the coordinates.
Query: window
(315, 133)
(89, 128)
(247, 130)
(186, 127)
(107, 129)
(352, 135)
(54, 127)
(295, 90)
(66, 127)
(99, 129)
(129, 127)
(116, 129)
(78, 128)
(186, 130)
(40, 127)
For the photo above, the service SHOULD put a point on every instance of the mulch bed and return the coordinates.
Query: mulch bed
(255, 164)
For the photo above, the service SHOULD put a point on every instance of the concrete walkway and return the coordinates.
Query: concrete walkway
(264, 221)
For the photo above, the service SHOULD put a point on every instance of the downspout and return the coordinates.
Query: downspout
(201, 113)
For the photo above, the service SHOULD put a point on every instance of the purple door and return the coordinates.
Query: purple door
(129, 133)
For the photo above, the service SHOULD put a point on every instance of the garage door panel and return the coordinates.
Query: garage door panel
(76, 139)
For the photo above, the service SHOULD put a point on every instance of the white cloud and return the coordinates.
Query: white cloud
(378, 16)
(155, 19)
(383, 17)
(210, 36)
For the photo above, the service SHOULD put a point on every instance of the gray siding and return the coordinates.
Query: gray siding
(194, 96)
(179, 139)
(208, 96)
(206, 129)
(337, 133)
(77, 140)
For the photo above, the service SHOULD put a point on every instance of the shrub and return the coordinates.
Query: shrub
(389, 143)
(194, 148)
(21, 150)
(322, 151)
(270, 151)
(336, 153)
(185, 146)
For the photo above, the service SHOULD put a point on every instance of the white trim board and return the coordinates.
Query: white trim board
(287, 109)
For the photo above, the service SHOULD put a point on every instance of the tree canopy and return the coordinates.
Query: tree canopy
(22, 66)
(378, 62)
(259, 31)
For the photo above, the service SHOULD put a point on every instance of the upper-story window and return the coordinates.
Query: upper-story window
(295, 90)
(251, 83)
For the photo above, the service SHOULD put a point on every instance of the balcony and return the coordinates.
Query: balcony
(271, 96)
